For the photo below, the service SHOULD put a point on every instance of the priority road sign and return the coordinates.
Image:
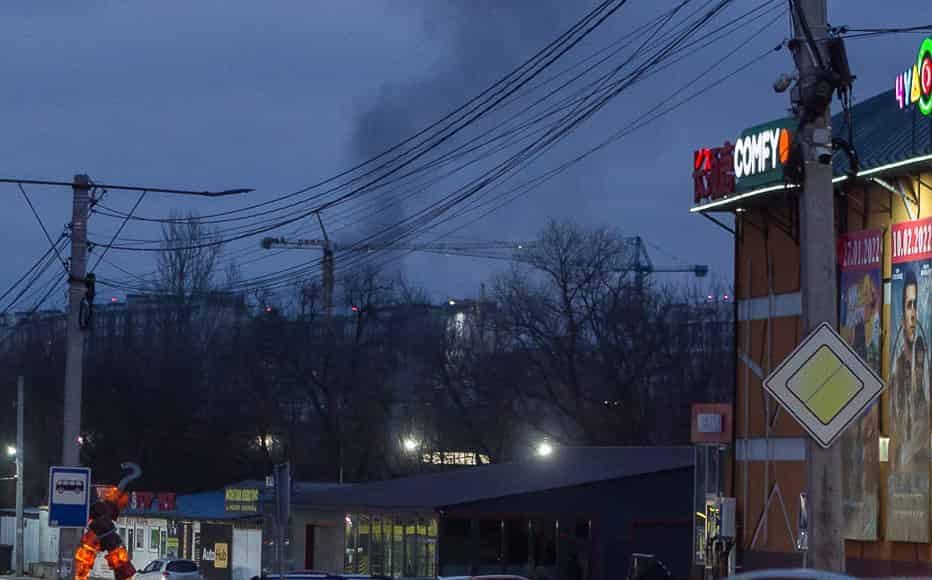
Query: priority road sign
(69, 496)
(824, 385)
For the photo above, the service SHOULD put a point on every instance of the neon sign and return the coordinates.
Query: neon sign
(914, 85)
(757, 159)
(762, 152)
(713, 176)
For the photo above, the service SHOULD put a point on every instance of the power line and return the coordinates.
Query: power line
(31, 269)
(42, 225)
(686, 35)
(424, 216)
(443, 159)
(630, 128)
(120, 229)
(484, 95)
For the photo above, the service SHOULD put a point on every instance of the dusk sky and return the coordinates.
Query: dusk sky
(278, 95)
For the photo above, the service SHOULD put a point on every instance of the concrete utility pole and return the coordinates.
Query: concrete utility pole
(327, 271)
(74, 356)
(20, 544)
(817, 265)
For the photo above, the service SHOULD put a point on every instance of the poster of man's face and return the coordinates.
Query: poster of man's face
(908, 386)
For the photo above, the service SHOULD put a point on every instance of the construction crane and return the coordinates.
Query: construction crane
(640, 264)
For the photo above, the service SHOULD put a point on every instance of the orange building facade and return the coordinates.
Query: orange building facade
(882, 203)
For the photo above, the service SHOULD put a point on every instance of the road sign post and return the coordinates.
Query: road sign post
(824, 385)
(69, 497)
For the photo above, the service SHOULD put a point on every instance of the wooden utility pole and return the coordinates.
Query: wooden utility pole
(817, 262)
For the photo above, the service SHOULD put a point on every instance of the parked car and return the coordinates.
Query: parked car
(487, 577)
(318, 575)
(170, 570)
(790, 573)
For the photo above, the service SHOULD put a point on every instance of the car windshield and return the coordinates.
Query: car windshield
(182, 566)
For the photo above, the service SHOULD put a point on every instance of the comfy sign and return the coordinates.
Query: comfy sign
(914, 85)
(762, 152)
(756, 160)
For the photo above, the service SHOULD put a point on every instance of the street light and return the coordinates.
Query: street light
(10, 450)
(544, 449)
(410, 444)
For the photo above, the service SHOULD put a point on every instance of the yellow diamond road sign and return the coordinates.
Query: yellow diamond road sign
(824, 384)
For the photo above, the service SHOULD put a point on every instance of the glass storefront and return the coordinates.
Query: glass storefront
(406, 546)
(390, 545)
(540, 548)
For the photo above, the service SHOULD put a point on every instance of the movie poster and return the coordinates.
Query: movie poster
(908, 386)
(860, 307)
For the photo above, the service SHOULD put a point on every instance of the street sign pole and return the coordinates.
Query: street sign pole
(826, 387)
(69, 497)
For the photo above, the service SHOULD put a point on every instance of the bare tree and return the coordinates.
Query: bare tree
(601, 352)
(188, 260)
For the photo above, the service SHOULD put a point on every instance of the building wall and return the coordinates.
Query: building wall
(767, 263)
(646, 514)
(329, 542)
(32, 553)
(768, 485)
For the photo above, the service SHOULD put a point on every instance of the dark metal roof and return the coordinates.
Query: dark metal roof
(883, 133)
(567, 467)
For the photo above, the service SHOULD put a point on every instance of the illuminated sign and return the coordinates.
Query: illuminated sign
(756, 160)
(914, 85)
(713, 174)
(761, 153)
(241, 500)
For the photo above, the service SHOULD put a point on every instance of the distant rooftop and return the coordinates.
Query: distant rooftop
(567, 467)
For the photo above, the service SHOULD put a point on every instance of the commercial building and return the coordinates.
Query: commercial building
(883, 215)
(578, 514)
(226, 543)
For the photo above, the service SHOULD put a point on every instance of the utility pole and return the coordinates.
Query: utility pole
(327, 271)
(817, 261)
(20, 447)
(74, 356)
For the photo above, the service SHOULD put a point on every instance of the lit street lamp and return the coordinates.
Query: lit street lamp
(10, 450)
(544, 449)
(410, 444)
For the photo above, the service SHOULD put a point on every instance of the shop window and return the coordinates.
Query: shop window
(517, 538)
(455, 542)
(545, 542)
(398, 548)
(154, 536)
(377, 556)
(490, 542)
(364, 544)
(349, 556)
